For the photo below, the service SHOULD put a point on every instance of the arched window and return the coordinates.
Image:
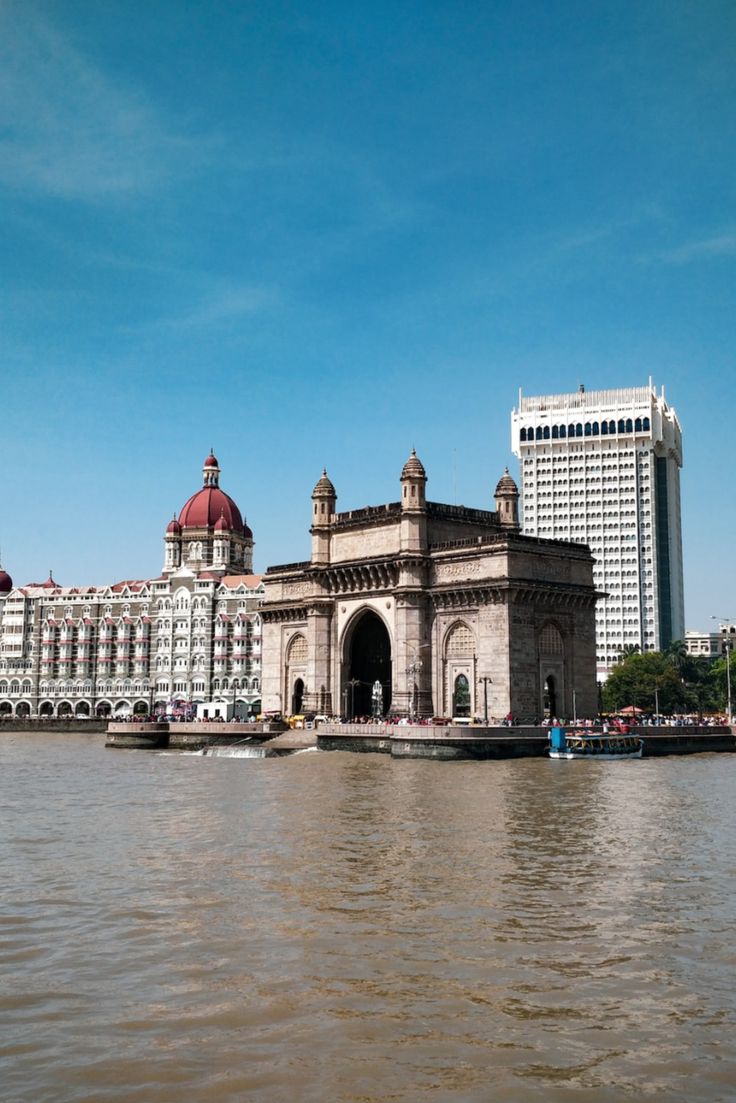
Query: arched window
(539, 432)
(621, 425)
(604, 428)
(629, 425)
(578, 430)
(461, 696)
(571, 430)
(587, 428)
(460, 642)
(298, 650)
(637, 425)
(546, 432)
(555, 432)
(595, 429)
(646, 425)
(550, 641)
(522, 434)
(563, 432)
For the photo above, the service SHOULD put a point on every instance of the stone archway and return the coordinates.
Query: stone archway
(367, 660)
(550, 698)
(297, 697)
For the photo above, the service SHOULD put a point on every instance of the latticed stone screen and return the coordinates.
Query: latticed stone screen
(460, 642)
(551, 641)
(298, 650)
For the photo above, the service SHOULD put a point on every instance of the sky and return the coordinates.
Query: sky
(315, 235)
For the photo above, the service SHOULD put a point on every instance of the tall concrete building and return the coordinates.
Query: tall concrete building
(603, 468)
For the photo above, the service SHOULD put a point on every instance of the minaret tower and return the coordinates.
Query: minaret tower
(211, 471)
(172, 545)
(507, 502)
(413, 505)
(324, 498)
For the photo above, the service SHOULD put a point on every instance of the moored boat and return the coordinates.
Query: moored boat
(596, 745)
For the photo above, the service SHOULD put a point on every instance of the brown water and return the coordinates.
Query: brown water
(329, 927)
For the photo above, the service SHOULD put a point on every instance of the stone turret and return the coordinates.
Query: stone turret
(507, 501)
(324, 499)
(413, 505)
(172, 545)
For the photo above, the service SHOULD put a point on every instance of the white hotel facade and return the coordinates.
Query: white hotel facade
(192, 634)
(603, 468)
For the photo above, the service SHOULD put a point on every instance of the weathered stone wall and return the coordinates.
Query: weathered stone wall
(79, 727)
(371, 542)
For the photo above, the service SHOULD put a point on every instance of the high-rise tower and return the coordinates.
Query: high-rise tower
(603, 468)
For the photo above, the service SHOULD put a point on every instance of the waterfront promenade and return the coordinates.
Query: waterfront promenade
(440, 742)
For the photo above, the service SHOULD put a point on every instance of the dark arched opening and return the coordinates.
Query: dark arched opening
(461, 697)
(550, 698)
(297, 697)
(369, 661)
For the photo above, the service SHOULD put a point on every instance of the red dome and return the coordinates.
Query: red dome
(204, 509)
(221, 525)
(211, 460)
(174, 526)
(6, 582)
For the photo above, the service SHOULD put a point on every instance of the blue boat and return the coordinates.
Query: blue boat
(601, 746)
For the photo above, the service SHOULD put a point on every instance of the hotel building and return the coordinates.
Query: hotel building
(603, 468)
(193, 634)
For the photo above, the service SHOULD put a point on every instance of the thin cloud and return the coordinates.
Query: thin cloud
(67, 130)
(226, 305)
(723, 245)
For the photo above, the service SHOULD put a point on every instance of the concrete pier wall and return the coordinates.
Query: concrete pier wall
(447, 743)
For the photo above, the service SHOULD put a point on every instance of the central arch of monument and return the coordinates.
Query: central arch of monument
(367, 660)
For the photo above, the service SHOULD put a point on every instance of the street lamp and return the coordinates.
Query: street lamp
(727, 649)
(486, 681)
(414, 667)
(353, 683)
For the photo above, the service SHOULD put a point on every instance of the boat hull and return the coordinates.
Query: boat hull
(604, 746)
(598, 756)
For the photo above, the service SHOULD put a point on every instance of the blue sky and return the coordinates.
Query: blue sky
(318, 235)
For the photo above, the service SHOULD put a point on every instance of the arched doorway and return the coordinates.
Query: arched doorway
(550, 698)
(23, 710)
(297, 697)
(368, 661)
(461, 697)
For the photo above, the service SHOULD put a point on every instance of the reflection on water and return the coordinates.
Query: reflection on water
(327, 927)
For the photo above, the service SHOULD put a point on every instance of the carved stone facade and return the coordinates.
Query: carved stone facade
(453, 610)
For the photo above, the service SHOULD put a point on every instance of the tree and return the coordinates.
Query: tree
(639, 679)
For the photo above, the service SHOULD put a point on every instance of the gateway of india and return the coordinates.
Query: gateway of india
(417, 609)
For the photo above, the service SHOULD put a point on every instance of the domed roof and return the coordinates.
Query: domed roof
(205, 508)
(6, 582)
(173, 526)
(506, 485)
(221, 524)
(324, 488)
(413, 468)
